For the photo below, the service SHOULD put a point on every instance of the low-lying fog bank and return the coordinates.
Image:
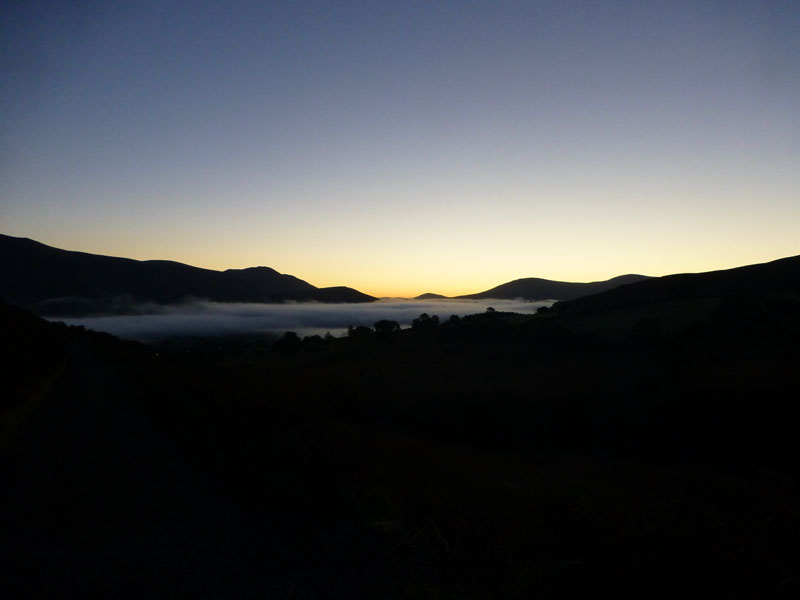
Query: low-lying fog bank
(219, 319)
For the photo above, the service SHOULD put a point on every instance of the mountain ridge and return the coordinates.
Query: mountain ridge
(536, 288)
(55, 282)
(777, 276)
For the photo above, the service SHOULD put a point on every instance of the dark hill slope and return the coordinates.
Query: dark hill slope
(534, 288)
(53, 281)
(751, 281)
(339, 293)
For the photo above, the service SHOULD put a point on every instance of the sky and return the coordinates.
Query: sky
(406, 147)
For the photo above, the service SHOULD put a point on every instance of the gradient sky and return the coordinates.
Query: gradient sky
(406, 147)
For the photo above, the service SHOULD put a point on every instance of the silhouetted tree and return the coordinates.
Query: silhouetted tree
(425, 321)
(290, 342)
(386, 327)
(359, 332)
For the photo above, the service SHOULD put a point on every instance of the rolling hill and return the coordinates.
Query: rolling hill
(51, 281)
(534, 288)
(752, 281)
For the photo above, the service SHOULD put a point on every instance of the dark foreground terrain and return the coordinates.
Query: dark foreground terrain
(646, 450)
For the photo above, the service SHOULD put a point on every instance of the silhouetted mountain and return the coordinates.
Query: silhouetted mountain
(340, 293)
(51, 281)
(430, 296)
(498, 455)
(534, 288)
(782, 275)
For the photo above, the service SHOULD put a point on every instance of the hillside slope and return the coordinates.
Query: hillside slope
(51, 281)
(534, 288)
(751, 281)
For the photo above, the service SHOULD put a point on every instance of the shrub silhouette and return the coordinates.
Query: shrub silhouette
(386, 327)
(289, 343)
(359, 331)
(425, 321)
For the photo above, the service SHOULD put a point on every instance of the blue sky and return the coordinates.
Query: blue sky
(405, 147)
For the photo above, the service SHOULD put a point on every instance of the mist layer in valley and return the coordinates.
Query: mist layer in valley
(204, 319)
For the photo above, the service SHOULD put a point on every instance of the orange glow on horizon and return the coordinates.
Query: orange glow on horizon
(389, 273)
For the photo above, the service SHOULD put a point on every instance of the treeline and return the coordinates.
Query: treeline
(386, 328)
